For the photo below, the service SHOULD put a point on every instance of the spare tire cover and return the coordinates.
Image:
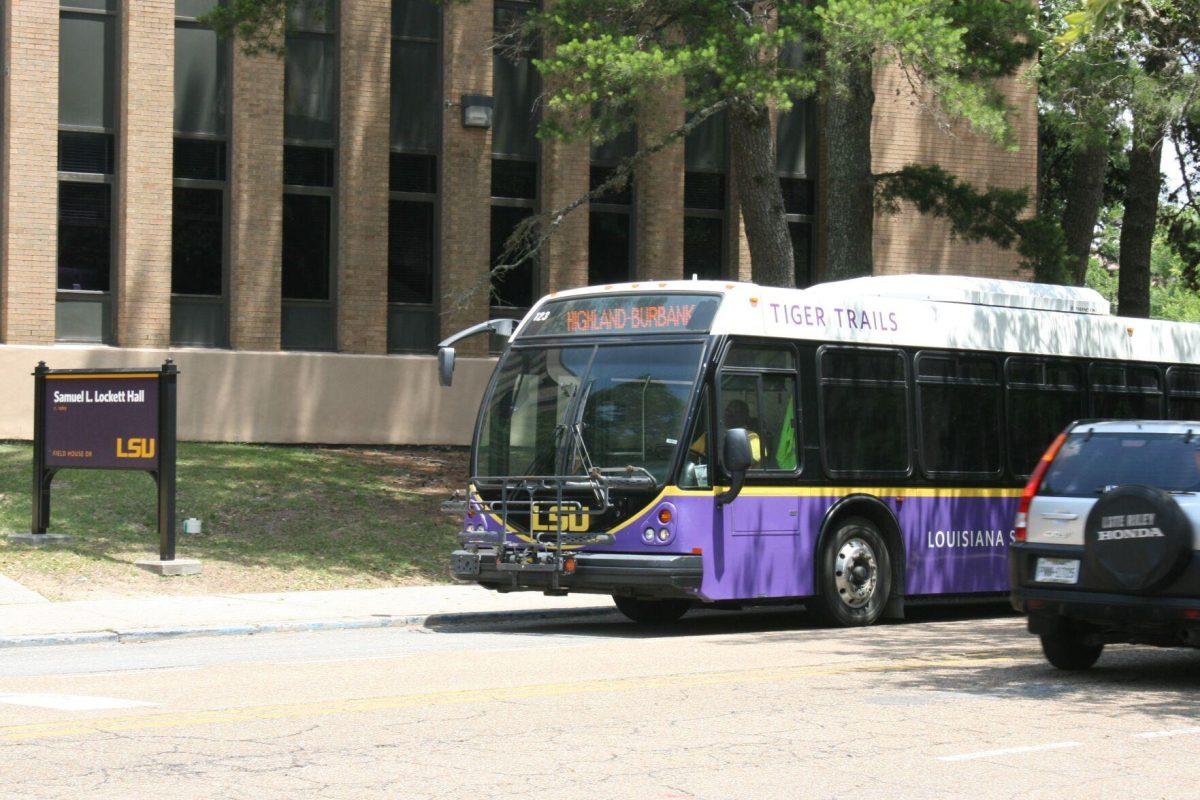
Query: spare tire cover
(1137, 538)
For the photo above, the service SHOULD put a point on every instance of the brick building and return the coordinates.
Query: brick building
(310, 225)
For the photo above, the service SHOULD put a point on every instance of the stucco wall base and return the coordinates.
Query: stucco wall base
(319, 398)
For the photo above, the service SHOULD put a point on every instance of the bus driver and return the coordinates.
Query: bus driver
(736, 415)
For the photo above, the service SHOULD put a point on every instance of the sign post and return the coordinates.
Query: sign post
(119, 419)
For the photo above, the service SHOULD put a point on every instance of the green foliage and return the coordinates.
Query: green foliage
(611, 55)
(996, 215)
(257, 24)
(1089, 16)
(1172, 296)
(1182, 235)
(275, 519)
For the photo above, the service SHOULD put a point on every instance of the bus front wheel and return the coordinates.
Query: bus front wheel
(651, 612)
(854, 575)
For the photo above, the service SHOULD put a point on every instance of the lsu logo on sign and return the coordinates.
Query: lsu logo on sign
(135, 447)
(548, 521)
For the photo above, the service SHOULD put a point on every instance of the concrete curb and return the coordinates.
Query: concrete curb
(296, 626)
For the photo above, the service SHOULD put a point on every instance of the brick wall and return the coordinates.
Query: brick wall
(466, 172)
(364, 133)
(256, 201)
(659, 195)
(29, 197)
(565, 176)
(142, 222)
(905, 132)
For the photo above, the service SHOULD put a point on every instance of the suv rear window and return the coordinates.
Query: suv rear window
(1087, 465)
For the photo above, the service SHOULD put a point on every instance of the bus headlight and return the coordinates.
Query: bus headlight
(648, 536)
(663, 535)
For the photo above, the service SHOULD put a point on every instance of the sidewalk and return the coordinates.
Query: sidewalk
(31, 622)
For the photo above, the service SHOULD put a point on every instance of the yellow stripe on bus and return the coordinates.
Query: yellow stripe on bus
(832, 492)
(843, 491)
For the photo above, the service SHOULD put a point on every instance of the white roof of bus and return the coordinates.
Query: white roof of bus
(937, 311)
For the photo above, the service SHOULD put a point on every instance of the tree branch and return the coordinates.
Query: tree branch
(531, 235)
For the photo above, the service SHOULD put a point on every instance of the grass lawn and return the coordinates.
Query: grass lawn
(274, 519)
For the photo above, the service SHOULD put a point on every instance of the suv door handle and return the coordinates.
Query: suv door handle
(1060, 515)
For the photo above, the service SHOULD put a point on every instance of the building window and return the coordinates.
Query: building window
(198, 229)
(412, 209)
(610, 216)
(86, 164)
(309, 167)
(515, 154)
(795, 149)
(705, 199)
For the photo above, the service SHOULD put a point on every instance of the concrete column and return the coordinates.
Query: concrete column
(362, 193)
(29, 193)
(256, 201)
(466, 173)
(142, 281)
(659, 196)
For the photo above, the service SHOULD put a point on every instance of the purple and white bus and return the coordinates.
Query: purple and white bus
(855, 446)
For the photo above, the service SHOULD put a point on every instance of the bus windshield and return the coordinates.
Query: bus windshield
(629, 402)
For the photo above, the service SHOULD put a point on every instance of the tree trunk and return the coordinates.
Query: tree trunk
(849, 214)
(771, 260)
(1085, 192)
(1141, 214)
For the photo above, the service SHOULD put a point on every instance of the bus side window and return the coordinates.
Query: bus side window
(1044, 396)
(1126, 391)
(758, 393)
(1184, 387)
(864, 410)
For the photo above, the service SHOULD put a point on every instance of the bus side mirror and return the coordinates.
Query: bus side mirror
(445, 365)
(737, 457)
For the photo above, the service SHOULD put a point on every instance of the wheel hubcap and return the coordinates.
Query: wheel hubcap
(856, 573)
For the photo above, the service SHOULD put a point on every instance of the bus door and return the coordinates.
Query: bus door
(762, 548)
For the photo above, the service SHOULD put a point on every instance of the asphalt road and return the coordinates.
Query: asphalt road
(745, 705)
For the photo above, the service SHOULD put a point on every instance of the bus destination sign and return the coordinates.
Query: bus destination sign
(624, 314)
(102, 421)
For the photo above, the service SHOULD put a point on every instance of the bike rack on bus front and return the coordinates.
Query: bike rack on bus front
(511, 491)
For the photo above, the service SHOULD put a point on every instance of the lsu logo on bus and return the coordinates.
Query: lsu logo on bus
(135, 447)
(548, 519)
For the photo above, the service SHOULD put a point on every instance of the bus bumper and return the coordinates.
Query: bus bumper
(638, 574)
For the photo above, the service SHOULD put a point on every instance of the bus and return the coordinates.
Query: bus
(856, 447)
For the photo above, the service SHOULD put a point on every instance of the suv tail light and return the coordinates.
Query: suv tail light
(1035, 482)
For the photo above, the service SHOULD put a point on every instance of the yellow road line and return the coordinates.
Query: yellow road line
(311, 710)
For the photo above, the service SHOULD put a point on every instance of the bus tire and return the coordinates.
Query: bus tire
(1066, 650)
(651, 612)
(854, 575)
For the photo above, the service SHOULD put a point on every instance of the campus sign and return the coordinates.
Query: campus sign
(102, 421)
(106, 419)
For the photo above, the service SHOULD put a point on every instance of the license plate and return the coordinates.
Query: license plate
(1056, 570)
